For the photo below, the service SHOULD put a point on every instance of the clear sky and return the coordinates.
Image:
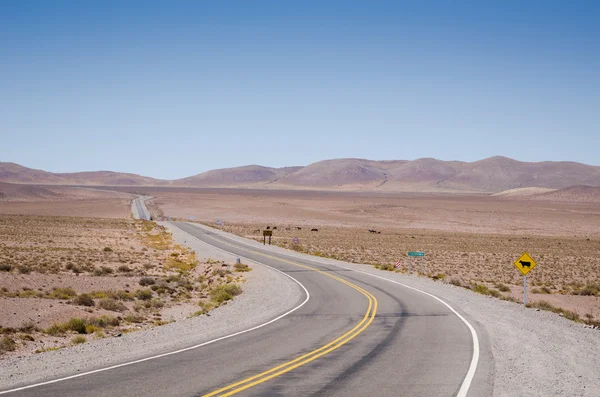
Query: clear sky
(170, 89)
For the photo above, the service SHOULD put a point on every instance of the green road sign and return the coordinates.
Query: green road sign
(417, 253)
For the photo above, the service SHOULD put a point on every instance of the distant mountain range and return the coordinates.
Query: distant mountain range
(490, 175)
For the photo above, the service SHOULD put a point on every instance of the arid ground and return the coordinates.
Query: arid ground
(63, 201)
(469, 240)
(74, 265)
(66, 280)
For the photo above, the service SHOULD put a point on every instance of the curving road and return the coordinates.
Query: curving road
(356, 336)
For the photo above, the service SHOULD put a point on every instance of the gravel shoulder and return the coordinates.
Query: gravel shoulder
(256, 305)
(534, 353)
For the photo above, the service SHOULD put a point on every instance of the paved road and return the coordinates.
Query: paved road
(356, 336)
(141, 212)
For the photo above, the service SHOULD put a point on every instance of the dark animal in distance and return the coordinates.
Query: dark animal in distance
(274, 227)
(314, 230)
(268, 227)
(525, 264)
(299, 228)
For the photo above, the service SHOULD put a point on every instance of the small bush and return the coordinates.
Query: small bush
(146, 281)
(144, 294)
(457, 282)
(205, 305)
(223, 293)
(544, 305)
(7, 344)
(481, 289)
(28, 328)
(107, 249)
(125, 269)
(5, 267)
(26, 337)
(54, 330)
(387, 266)
(543, 290)
(79, 339)
(77, 325)
(24, 270)
(124, 296)
(105, 321)
(241, 268)
(103, 271)
(63, 293)
(84, 300)
(112, 305)
(591, 289)
(502, 287)
(135, 318)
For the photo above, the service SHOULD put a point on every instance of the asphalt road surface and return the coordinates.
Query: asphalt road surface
(356, 336)
(142, 212)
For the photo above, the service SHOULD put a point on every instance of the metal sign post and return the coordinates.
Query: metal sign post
(416, 253)
(525, 264)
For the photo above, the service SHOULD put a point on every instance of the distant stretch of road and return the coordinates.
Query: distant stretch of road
(357, 335)
(142, 211)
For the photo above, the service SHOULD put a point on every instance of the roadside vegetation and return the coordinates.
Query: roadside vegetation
(567, 266)
(115, 276)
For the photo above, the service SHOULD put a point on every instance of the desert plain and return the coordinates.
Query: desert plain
(75, 266)
(470, 240)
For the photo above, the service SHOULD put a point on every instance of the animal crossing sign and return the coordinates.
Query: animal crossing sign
(525, 264)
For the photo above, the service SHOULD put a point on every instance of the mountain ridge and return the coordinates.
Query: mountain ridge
(490, 175)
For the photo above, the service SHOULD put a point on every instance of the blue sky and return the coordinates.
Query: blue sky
(170, 90)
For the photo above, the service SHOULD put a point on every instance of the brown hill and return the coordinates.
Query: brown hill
(496, 174)
(573, 194)
(492, 175)
(15, 192)
(14, 173)
(336, 173)
(238, 176)
(109, 178)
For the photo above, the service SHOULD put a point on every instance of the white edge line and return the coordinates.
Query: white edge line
(180, 350)
(466, 384)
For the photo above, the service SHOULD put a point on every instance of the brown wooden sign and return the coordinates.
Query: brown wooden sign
(267, 233)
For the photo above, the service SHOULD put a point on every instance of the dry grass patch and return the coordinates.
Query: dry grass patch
(58, 258)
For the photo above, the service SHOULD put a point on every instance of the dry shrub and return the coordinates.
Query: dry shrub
(84, 300)
(112, 305)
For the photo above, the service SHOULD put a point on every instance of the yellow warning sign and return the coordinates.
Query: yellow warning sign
(525, 263)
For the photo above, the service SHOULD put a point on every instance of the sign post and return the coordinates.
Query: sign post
(417, 254)
(525, 264)
(266, 233)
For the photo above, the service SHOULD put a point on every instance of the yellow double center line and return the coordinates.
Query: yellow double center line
(308, 357)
